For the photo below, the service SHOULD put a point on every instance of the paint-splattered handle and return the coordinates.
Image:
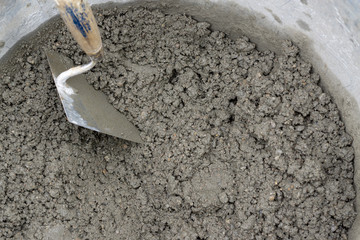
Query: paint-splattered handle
(80, 20)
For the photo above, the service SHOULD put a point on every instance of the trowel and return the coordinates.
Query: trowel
(83, 105)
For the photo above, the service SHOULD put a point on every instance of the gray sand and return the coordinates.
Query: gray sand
(239, 144)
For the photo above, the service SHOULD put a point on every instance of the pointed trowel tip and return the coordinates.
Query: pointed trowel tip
(140, 141)
(134, 137)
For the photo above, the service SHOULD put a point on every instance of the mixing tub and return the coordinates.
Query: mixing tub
(327, 32)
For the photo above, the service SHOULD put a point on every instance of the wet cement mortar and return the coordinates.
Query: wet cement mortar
(239, 144)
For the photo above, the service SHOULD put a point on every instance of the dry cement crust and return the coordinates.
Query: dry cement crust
(240, 144)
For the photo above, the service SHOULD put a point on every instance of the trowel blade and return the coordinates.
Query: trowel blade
(89, 108)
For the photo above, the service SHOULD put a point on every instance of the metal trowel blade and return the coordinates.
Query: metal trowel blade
(90, 108)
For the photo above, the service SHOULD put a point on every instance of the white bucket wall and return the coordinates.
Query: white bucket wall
(328, 32)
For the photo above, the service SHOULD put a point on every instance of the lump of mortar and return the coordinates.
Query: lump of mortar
(240, 144)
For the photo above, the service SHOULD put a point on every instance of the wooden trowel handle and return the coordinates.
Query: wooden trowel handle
(80, 20)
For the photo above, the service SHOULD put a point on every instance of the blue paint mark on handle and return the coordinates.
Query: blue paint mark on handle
(80, 19)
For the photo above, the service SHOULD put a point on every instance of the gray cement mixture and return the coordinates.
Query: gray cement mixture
(239, 143)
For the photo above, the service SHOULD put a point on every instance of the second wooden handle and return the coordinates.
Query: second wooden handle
(81, 22)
